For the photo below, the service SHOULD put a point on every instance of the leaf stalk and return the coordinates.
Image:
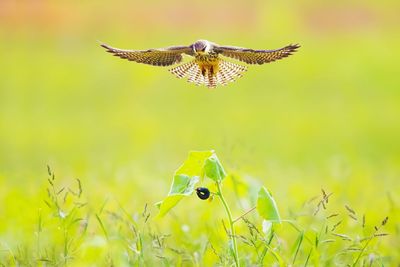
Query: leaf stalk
(231, 222)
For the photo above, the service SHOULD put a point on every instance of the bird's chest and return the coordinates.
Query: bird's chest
(208, 63)
(210, 58)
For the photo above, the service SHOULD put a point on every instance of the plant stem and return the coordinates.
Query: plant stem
(365, 246)
(232, 235)
(244, 214)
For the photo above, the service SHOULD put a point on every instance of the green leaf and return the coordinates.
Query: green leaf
(168, 203)
(198, 164)
(266, 206)
(182, 185)
(213, 169)
(193, 165)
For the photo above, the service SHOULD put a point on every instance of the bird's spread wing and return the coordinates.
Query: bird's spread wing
(156, 57)
(251, 56)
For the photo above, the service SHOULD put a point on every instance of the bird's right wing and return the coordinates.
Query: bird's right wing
(156, 57)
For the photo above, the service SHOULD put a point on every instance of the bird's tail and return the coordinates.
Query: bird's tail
(183, 70)
(227, 72)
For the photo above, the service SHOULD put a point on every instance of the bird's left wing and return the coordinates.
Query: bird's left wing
(156, 57)
(251, 56)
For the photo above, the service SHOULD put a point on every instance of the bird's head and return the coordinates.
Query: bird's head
(201, 46)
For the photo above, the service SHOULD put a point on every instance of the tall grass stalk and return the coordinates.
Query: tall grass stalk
(232, 235)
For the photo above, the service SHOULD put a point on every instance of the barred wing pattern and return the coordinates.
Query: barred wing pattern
(227, 72)
(251, 56)
(156, 57)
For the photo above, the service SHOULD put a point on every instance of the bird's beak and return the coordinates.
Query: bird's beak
(199, 51)
(202, 51)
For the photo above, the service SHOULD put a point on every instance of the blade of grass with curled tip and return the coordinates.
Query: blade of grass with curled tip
(308, 257)
(276, 255)
(265, 250)
(297, 245)
(102, 226)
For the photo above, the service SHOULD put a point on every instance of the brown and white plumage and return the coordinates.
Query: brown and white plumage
(251, 56)
(156, 57)
(208, 67)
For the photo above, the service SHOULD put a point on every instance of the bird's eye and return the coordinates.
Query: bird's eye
(203, 193)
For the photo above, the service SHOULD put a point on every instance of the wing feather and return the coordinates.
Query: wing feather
(251, 56)
(156, 57)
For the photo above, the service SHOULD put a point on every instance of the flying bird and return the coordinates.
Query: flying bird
(209, 66)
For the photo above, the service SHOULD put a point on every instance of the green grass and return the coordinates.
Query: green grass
(325, 118)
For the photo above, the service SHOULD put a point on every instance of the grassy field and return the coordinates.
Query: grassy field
(326, 119)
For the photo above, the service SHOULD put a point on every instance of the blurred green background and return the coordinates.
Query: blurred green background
(326, 117)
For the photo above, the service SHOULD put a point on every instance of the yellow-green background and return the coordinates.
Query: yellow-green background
(327, 117)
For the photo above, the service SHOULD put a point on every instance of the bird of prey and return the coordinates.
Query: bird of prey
(209, 67)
